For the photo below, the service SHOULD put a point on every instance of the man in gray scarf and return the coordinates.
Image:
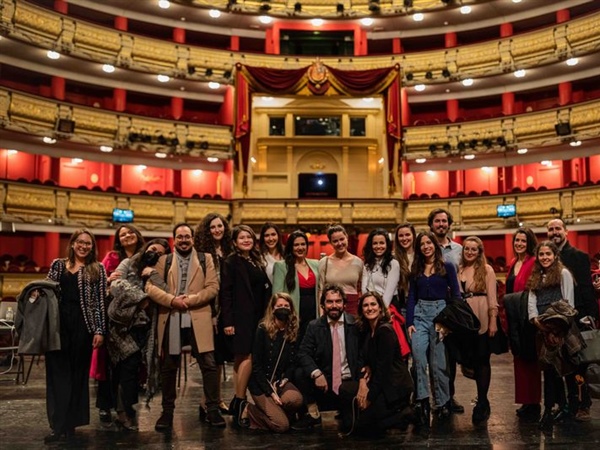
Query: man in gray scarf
(185, 319)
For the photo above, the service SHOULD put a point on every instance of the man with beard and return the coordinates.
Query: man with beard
(185, 319)
(578, 263)
(440, 221)
(328, 358)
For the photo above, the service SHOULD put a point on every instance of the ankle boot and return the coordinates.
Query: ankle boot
(423, 412)
(547, 419)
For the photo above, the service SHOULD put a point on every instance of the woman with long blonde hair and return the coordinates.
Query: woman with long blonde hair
(478, 287)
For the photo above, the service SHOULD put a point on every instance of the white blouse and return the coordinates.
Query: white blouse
(376, 281)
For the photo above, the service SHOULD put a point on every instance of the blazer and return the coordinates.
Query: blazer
(316, 348)
(202, 288)
(578, 263)
(279, 273)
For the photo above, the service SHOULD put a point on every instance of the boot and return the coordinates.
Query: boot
(547, 420)
(423, 413)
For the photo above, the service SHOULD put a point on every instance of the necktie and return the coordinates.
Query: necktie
(336, 364)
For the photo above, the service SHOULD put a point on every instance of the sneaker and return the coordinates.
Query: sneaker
(583, 415)
(214, 418)
(307, 422)
(165, 422)
(456, 407)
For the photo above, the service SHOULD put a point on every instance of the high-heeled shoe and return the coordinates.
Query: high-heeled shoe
(481, 412)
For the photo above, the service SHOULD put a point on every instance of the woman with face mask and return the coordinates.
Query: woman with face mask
(130, 327)
(550, 282)
(276, 399)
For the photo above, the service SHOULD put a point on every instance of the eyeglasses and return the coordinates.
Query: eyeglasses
(83, 243)
(187, 237)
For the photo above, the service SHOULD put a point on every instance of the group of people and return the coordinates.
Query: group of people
(305, 335)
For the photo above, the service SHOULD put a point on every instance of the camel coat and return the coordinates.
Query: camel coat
(202, 288)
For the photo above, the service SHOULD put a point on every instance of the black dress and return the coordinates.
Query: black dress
(67, 370)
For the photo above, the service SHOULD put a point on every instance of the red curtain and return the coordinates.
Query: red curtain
(355, 83)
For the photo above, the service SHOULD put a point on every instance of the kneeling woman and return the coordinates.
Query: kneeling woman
(384, 400)
(273, 363)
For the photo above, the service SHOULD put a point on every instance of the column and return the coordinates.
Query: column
(404, 108)
(177, 182)
(396, 45)
(565, 93)
(567, 171)
(234, 43)
(119, 99)
(228, 107)
(506, 30)
(452, 109)
(508, 103)
(38, 250)
(58, 88)
(62, 7)
(450, 40)
(563, 15)
(52, 248)
(179, 35)
(121, 23)
(176, 107)
(508, 247)
(453, 183)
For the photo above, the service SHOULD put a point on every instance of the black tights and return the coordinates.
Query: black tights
(483, 375)
(483, 369)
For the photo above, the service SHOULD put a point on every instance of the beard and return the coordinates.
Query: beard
(184, 252)
(334, 314)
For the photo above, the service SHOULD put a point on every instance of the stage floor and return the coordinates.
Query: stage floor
(23, 423)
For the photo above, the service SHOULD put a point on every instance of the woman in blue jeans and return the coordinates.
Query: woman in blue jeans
(432, 282)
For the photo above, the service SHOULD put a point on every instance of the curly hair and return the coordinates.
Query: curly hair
(418, 267)
(543, 278)
(290, 259)
(402, 257)
(480, 274)
(117, 247)
(384, 314)
(254, 256)
(261, 241)
(369, 254)
(268, 321)
(204, 242)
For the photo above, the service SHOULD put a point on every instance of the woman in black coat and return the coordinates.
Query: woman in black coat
(244, 295)
(383, 402)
